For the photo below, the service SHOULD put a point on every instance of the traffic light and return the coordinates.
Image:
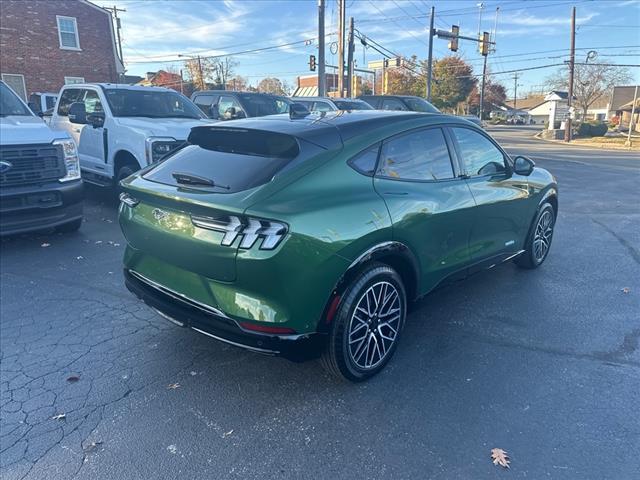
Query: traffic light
(398, 61)
(483, 46)
(386, 63)
(453, 43)
(312, 63)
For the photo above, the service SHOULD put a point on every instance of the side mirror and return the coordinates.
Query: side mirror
(96, 119)
(213, 111)
(230, 113)
(523, 165)
(77, 113)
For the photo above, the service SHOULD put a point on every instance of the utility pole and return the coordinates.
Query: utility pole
(633, 112)
(572, 59)
(341, 20)
(114, 10)
(484, 77)
(322, 90)
(515, 90)
(350, 50)
(430, 57)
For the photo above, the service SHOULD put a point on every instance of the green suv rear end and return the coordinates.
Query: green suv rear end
(306, 237)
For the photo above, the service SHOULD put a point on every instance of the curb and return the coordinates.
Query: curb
(595, 147)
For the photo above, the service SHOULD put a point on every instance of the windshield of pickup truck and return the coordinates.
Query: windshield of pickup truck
(149, 103)
(10, 104)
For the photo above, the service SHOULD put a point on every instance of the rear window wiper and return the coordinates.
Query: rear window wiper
(191, 179)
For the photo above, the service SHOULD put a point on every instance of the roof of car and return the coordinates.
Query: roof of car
(121, 86)
(236, 92)
(388, 96)
(330, 129)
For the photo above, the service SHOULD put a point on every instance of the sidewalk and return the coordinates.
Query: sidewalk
(604, 143)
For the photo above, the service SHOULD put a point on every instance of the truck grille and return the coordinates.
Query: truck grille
(29, 164)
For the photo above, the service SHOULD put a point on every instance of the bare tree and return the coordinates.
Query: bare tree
(591, 82)
(223, 70)
(271, 85)
(237, 83)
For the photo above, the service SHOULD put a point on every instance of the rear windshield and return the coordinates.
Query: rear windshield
(233, 160)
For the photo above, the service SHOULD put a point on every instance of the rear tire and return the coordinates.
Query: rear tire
(70, 227)
(538, 241)
(367, 325)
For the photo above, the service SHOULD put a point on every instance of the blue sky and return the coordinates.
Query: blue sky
(530, 33)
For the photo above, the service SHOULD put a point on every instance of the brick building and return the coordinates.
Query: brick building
(45, 44)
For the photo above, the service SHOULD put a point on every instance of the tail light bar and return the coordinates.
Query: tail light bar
(250, 229)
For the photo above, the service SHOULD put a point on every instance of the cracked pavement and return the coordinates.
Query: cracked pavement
(544, 364)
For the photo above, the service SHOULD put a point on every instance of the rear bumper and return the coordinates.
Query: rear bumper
(39, 207)
(209, 321)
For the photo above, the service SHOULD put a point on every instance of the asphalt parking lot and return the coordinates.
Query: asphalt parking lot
(544, 364)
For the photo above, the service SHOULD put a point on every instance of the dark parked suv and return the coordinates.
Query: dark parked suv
(399, 102)
(231, 105)
(40, 184)
(310, 234)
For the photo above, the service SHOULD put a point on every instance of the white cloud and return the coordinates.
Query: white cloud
(522, 18)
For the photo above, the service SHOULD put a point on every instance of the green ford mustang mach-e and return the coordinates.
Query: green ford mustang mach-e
(306, 236)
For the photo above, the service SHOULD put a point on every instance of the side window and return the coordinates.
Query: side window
(365, 161)
(69, 96)
(421, 155)
(92, 102)
(479, 154)
(204, 103)
(225, 103)
(393, 104)
(321, 107)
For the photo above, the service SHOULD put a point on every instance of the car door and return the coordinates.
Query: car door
(204, 102)
(502, 217)
(225, 103)
(60, 120)
(91, 143)
(431, 206)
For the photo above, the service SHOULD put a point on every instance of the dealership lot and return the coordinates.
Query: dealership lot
(544, 364)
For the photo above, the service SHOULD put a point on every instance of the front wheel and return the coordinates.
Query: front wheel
(539, 239)
(367, 325)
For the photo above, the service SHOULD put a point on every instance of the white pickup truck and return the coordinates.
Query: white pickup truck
(122, 128)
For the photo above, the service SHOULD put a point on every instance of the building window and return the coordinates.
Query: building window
(68, 33)
(73, 80)
(16, 82)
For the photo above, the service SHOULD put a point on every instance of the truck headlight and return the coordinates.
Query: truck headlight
(71, 161)
(158, 147)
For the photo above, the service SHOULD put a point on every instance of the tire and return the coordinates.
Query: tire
(539, 239)
(70, 227)
(123, 173)
(370, 329)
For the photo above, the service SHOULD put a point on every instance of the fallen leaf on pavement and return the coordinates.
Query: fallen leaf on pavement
(92, 446)
(626, 290)
(60, 416)
(173, 386)
(79, 257)
(226, 434)
(45, 245)
(73, 379)
(500, 457)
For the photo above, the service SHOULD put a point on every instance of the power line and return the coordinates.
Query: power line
(243, 52)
